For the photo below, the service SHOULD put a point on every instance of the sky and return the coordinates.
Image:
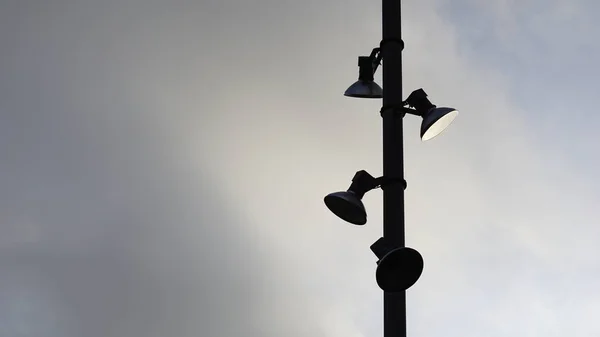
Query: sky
(164, 165)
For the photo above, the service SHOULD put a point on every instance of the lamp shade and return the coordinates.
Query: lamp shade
(435, 121)
(364, 89)
(347, 206)
(399, 269)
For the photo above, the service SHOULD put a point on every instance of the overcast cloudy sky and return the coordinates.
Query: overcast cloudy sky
(163, 165)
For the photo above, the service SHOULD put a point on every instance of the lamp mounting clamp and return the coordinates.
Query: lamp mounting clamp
(364, 182)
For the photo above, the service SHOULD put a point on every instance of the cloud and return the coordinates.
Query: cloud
(166, 162)
(107, 231)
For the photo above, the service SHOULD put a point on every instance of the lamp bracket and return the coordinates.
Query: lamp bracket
(381, 247)
(363, 182)
(418, 100)
(401, 110)
(376, 55)
(375, 58)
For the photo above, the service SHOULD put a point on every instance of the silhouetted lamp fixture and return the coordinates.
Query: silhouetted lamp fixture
(366, 87)
(398, 267)
(348, 205)
(435, 119)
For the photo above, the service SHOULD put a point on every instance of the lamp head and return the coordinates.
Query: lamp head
(365, 87)
(399, 269)
(348, 205)
(435, 120)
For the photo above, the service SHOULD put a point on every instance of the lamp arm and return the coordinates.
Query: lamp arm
(411, 111)
(376, 58)
(363, 182)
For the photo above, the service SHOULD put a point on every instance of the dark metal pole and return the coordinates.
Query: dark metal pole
(394, 304)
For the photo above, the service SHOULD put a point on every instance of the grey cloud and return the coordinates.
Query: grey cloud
(166, 164)
(128, 242)
(106, 224)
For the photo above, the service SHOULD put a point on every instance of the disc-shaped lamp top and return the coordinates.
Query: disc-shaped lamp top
(347, 206)
(435, 121)
(399, 269)
(364, 89)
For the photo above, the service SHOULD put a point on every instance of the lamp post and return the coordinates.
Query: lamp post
(394, 303)
(399, 267)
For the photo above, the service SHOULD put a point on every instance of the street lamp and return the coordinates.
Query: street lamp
(366, 87)
(398, 267)
(435, 120)
(348, 205)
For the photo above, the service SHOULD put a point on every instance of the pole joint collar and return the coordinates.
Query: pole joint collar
(392, 40)
(383, 182)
